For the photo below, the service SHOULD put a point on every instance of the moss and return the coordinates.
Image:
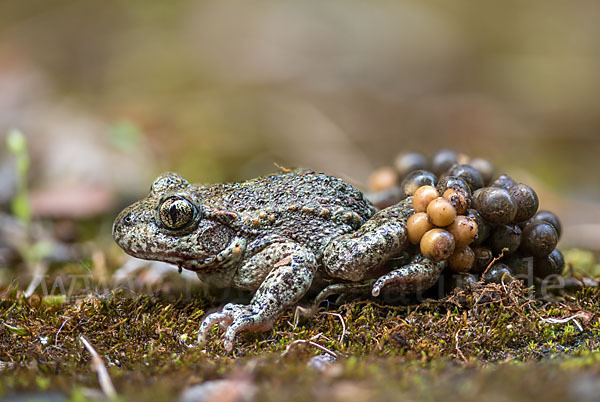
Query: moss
(582, 262)
(472, 342)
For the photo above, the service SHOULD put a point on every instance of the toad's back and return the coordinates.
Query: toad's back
(302, 205)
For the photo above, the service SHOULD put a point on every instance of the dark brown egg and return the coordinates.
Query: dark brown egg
(409, 162)
(417, 179)
(483, 228)
(483, 257)
(553, 264)
(538, 239)
(437, 244)
(484, 167)
(551, 218)
(453, 182)
(416, 226)
(495, 205)
(423, 196)
(441, 212)
(526, 201)
(503, 181)
(461, 260)
(461, 281)
(498, 273)
(517, 264)
(469, 174)
(505, 238)
(443, 160)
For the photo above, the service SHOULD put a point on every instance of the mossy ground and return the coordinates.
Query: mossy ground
(493, 342)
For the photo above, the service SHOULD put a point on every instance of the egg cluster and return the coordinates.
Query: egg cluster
(440, 227)
(468, 218)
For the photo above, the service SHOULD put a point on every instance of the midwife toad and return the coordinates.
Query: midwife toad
(275, 236)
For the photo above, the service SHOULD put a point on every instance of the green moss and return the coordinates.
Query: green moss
(583, 262)
(470, 342)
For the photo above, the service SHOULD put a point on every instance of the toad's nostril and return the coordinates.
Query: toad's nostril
(128, 219)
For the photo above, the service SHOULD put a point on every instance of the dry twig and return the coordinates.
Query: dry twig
(565, 320)
(304, 341)
(103, 378)
(494, 260)
(460, 353)
(342, 321)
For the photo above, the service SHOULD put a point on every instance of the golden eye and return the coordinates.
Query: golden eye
(176, 213)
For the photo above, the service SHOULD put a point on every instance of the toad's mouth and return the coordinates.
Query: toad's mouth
(156, 251)
(158, 248)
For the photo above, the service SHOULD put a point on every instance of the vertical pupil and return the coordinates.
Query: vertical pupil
(173, 212)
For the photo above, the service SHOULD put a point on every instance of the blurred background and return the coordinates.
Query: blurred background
(110, 94)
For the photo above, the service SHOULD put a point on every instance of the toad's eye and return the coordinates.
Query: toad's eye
(175, 212)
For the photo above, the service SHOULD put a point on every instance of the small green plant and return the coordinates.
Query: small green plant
(33, 252)
(21, 207)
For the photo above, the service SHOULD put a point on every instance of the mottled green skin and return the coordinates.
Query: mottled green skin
(276, 236)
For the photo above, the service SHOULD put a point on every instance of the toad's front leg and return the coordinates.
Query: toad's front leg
(289, 269)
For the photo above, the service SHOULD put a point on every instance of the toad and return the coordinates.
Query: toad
(277, 236)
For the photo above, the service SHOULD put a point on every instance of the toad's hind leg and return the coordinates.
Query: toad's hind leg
(382, 237)
(417, 276)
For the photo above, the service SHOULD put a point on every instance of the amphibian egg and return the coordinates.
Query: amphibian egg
(498, 273)
(441, 212)
(437, 244)
(459, 199)
(547, 216)
(409, 162)
(526, 201)
(382, 179)
(423, 196)
(464, 230)
(469, 174)
(505, 238)
(483, 257)
(484, 167)
(443, 160)
(503, 181)
(417, 179)
(461, 260)
(495, 205)
(416, 227)
(553, 264)
(539, 239)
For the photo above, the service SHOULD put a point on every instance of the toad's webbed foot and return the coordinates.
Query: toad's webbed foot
(417, 276)
(233, 318)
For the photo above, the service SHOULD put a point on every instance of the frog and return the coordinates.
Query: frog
(280, 237)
